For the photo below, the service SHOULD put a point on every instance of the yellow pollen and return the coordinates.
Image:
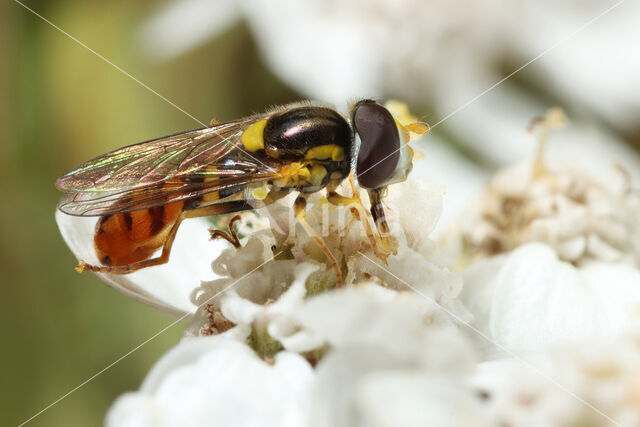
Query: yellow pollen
(318, 172)
(293, 173)
(260, 193)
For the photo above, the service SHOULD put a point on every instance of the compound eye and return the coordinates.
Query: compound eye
(379, 151)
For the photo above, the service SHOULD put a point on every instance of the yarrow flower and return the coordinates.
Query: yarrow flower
(581, 219)
(217, 381)
(275, 299)
(552, 254)
(279, 284)
(581, 384)
(380, 347)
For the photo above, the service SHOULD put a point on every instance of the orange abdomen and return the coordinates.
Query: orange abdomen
(125, 238)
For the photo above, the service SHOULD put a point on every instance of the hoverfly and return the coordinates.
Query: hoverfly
(141, 193)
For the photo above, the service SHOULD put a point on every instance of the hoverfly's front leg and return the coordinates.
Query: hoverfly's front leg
(299, 207)
(360, 213)
(386, 240)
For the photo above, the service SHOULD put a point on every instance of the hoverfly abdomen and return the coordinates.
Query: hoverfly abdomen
(129, 237)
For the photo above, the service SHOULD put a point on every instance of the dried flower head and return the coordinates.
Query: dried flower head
(566, 209)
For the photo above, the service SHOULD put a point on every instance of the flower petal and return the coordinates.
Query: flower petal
(379, 338)
(529, 299)
(206, 381)
(585, 383)
(406, 398)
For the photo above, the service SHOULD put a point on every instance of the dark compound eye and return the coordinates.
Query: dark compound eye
(379, 144)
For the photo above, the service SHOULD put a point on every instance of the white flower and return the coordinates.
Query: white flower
(557, 256)
(395, 359)
(528, 299)
(580, 218)
(571, 68)
(582, 384)
(217, 381)
(444, 53)
(261, 303)
(394, 327)
(259, 294)
(384, 357)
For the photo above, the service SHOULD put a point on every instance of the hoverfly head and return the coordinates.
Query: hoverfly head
(383, 155)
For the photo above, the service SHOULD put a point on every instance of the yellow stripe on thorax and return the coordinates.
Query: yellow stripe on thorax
(252, 138)
(323, 152)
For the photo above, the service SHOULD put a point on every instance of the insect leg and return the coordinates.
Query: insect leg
(231, 237)
(299, 207)
(221, 209)
(387, 241)
(234, 206)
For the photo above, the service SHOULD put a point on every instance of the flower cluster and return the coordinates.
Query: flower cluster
(578, 217)
(280, 267)
(551, 255)
(585, 384)
(275, 313)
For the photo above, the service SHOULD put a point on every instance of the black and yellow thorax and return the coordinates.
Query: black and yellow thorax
(313, 145)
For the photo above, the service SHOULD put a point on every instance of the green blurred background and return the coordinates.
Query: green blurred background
(61, 105)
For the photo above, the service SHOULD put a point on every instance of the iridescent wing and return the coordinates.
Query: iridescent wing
(165, 170)
(157, 160)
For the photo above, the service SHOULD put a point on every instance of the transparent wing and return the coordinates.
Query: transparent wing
(110, 202)
(157, 160)
(165, 170)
